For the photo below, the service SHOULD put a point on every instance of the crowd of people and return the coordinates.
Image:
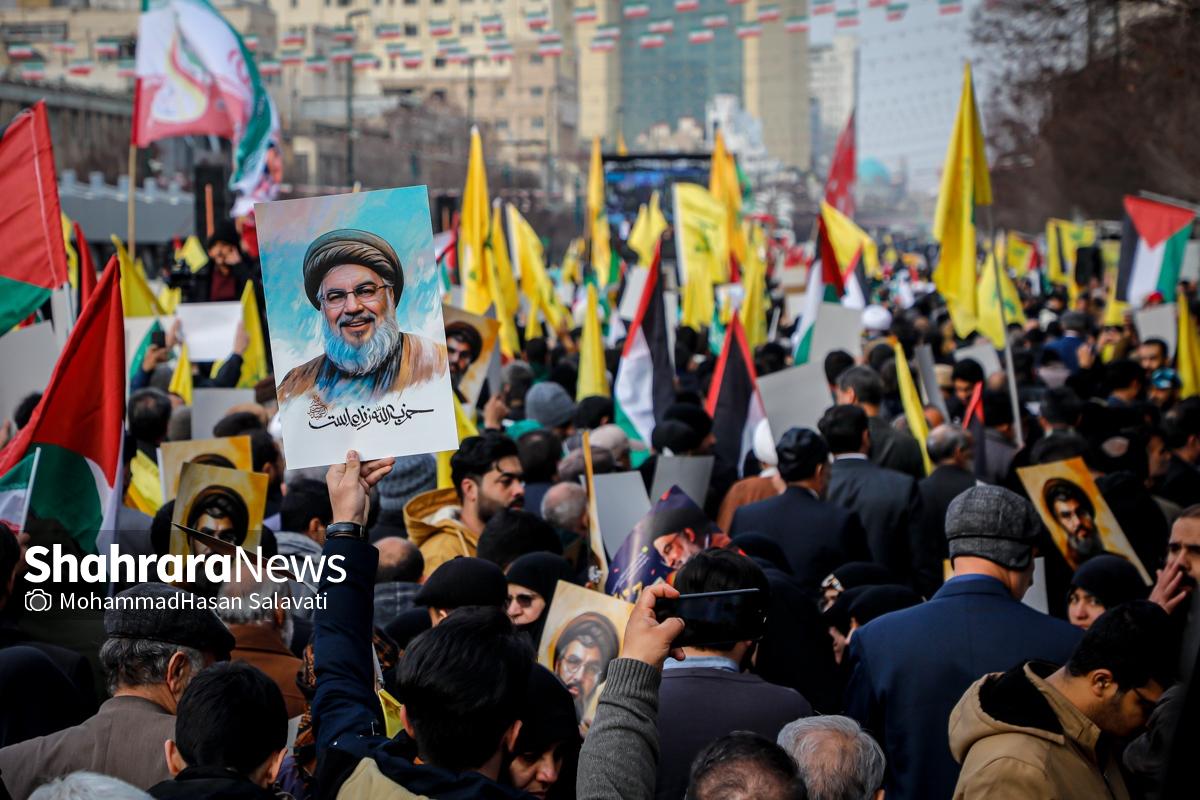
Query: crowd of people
(897, 658)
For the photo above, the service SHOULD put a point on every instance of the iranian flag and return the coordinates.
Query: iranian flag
(734, 403)
(35, 261)
(1153, 239)
(636, 10)
(75, 432)
(196, 76)
(644, 385)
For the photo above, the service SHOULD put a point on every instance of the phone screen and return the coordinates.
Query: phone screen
(715, 617)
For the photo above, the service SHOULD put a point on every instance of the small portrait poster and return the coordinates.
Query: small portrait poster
(1079, 520)
(225, 503)
(231, 452)
(584, 631)
(470, 345)
(355, 314)
(661, 542)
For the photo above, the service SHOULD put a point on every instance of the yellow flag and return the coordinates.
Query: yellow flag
(1187, 350)
(965, 185)
(622, 150)
(647, 229)
(145, 487)
(68, 231)
(700, 245)
(181, 378)
(989, 321)
(465, 428)
(473, 225)
(1018, 253)
(849, 242)
(914, 411)
(597, 220)
(754, 287)
(169, 299)
(192, 253)
(536, 284)
(137, 298)
(593, 379)
(504, 287)
(1063, 240)
(254, 360)
(723, 184)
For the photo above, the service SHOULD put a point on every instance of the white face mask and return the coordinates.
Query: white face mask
(1054, 375)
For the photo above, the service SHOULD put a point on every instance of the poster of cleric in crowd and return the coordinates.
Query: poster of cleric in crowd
(225, 503)
(470, 344)
(1079, 520)
(583, 633)
(355, 314)
(661, 542)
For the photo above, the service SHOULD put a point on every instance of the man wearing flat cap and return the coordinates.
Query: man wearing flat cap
(911, 667)
(156, 644)
(355, 279)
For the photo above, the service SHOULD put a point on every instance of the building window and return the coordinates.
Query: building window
(410, 2)
(537, 91)
(410, 28)
(536, 59)
(501, 124)
(466, 29)
(499, 92)
(295, 3)
(438, 95)
(439, 63)
(539, 123)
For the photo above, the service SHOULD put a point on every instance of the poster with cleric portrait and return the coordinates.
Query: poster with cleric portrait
(354, 309)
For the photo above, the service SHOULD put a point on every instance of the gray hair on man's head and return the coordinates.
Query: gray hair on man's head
(564, 504)
(88, 786)
(836, 758)
(142, 662)
(944, 441)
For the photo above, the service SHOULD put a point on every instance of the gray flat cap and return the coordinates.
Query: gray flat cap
(993, 523)
(163, 613)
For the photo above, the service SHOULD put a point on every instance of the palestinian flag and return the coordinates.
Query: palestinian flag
(644, 385)
(75, 431)
(733, 400)
(1153, 239)
(35, 260)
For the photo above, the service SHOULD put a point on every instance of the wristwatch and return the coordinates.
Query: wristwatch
(346, 530)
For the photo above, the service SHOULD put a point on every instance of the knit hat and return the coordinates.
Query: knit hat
(1110, 579)
(547, 715)
(549, 404)
(410, 476)
(875, 601)
(167, 617)
(993, 523)
(858, 573)
(463, 582)
(540, 572)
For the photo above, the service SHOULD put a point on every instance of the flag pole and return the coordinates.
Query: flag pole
(132, 208)
(1018, 430)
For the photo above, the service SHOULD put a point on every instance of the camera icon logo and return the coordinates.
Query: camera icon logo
(38, 600)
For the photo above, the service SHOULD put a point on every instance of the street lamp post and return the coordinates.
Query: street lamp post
(350, 102)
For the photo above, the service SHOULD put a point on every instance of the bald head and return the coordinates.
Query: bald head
(399, 561)
(565, 506)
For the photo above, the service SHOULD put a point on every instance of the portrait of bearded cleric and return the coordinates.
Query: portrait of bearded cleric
(355, 279)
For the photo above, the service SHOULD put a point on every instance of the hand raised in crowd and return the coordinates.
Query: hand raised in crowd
(1086, 353)
(154, 356)
(173, 334)
(350, 485)
(241, 339)
(494, 412)
(1169, 589)
(646, 639)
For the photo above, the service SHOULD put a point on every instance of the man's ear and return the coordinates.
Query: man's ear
(274, 763)
(510, 736)
(175, 762)
(408, 728)
(179, 672)
(1101, 682)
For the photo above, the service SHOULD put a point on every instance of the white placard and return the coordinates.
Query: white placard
(635, 283)
(27, 355)
(795, 398)
(621, 500)
(210, 405)
(209, 329)
(1158, 322)
(689, 473)
(838, 328)
(984, 355)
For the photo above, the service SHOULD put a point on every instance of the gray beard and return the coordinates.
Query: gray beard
(366, 358)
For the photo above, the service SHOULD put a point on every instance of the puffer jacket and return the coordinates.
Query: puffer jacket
(434, 526)
(1018, 737)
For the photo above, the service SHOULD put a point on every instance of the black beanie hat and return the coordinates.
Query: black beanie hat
(464, 582)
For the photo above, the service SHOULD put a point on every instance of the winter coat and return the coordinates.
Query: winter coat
(1018, 737)
(434, 526)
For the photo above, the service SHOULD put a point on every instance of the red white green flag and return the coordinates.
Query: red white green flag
(1153, 239)
(75, 431)
(35, 261)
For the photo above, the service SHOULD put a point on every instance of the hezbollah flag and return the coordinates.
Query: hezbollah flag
(723, 184)
(993, 295)
(644, 386)
(593, 379)
(77, 426)
(473, 231)
(597, 221)
(503, 286)
(701, 246)
(1153, 238)
(753, 311)
(914, 410)
(733, 400)
(1187, 350)
(647, 229)
(35, 258)
(1063, 240)
(529, 257)
(965, 185)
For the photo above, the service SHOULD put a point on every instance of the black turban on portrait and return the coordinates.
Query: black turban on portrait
(349, 246)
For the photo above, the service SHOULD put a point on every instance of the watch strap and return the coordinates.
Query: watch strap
(346, 530)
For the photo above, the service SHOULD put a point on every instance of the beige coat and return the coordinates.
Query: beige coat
(1018, 738)
(124, 739)
(434, 524)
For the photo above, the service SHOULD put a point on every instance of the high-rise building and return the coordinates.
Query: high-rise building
(654, 64)
(832, 68)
